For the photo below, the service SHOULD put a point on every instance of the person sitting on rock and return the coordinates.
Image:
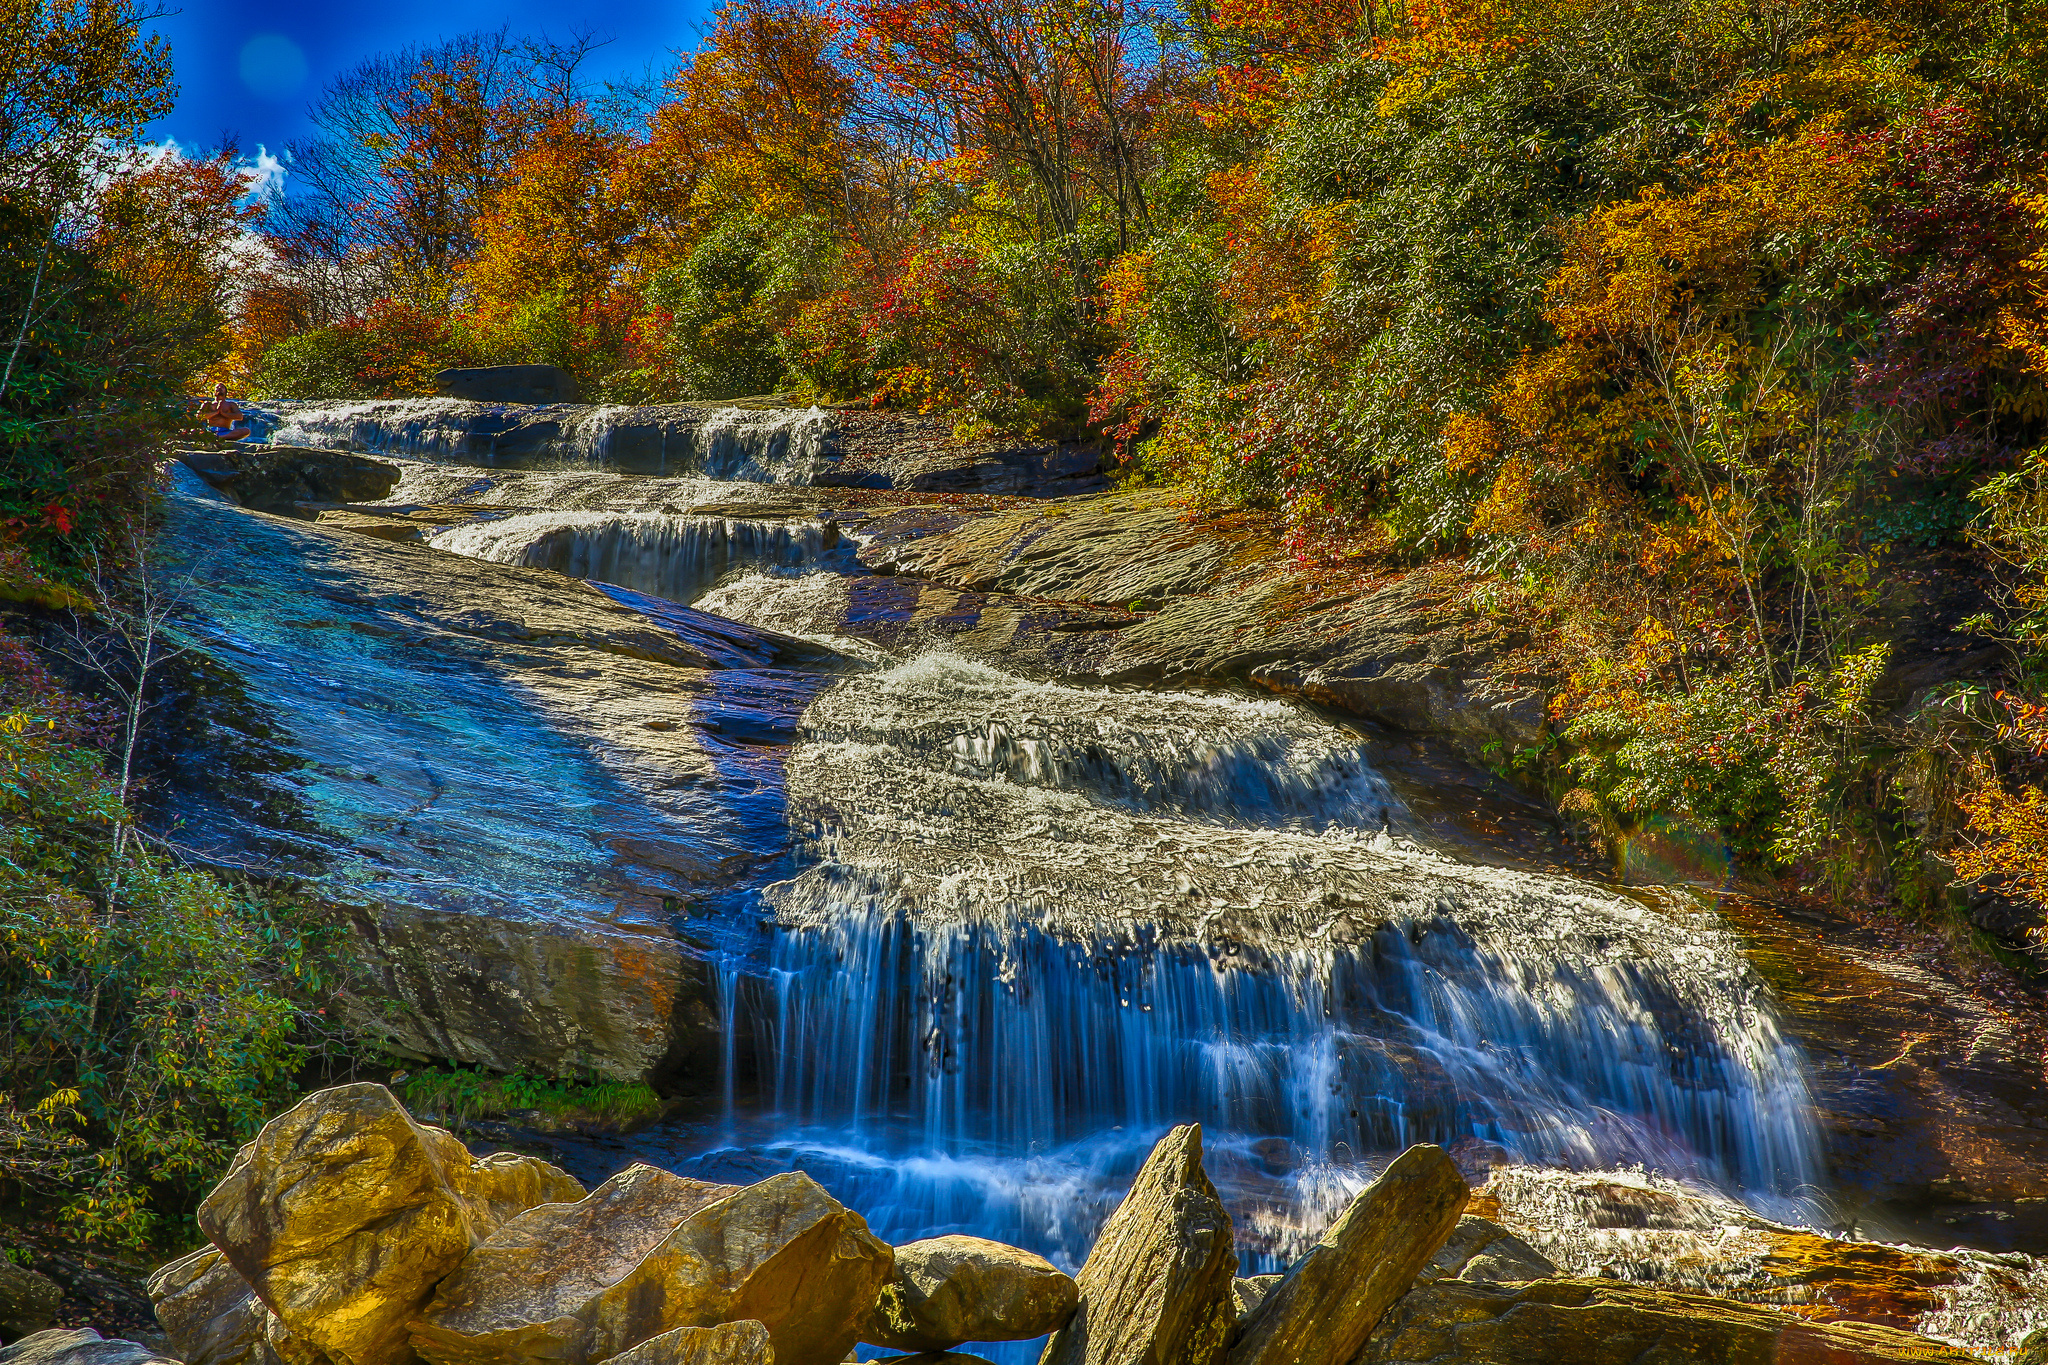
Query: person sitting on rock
(223, 417)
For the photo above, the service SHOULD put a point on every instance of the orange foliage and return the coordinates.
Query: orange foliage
(558, 227)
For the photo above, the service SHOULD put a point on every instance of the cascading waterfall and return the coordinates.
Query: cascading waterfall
(1041, 923)
(784, 446)
(764, 445)
(676, 557)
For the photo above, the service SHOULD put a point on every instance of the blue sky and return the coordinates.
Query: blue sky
(251, 69)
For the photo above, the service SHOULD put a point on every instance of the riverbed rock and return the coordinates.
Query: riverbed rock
(507, 384)
(28, 1301)
(209, 1314)
(1248, 1293)
(1600, 1322)
(513, 785)
(1156, 1288)
(729, 1343)
(520, 1293)
(946, 1290)
(78, 1346)
(280, 478)
(1330, 1300)
(1221, 603)
(649, 1252)
(1632, 1227)
(343, 1214)
(1480, 1249)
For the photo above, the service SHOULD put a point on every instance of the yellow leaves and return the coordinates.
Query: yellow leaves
(2010, 843)
(1126, 289)
(58, 1103)
(1652, 646)
(1471, 443)
(2023, 326)
(1510, 507)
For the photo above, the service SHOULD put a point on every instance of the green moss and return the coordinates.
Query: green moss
(461, 1095)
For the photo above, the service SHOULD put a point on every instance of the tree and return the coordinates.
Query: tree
(412, 148)
(77, 80)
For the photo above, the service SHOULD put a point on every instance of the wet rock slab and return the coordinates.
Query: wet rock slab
(1930, 1085)
(1191, 599)
(518, 786)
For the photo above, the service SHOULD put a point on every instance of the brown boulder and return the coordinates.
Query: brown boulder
(209, 1314)
(1641, 1229)
(650, 1252)
(1329, 1301)
(1157, 1286)
(1599, 1322)
(946, 1290)
(520, 1294)
(1481, 1250)
(1247, 1294)
(78, 1346)
(28, 1301)
(343, 1214)
(729, 1343)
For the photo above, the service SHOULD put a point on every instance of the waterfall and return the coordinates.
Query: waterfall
(1041, 923)
(773, 445)
(676, 557)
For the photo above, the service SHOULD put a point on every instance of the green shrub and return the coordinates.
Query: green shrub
(152, 1015)
(325, 363)
(459, 1095)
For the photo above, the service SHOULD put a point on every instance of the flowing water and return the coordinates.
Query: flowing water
(1031, 925)
(677, 557)
(780, 446)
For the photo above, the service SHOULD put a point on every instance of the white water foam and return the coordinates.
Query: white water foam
(776, 445)
(1636, 1226)
(668, 556)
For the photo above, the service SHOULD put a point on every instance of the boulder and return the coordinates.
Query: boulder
(582, 1284)
(947, 1290)
(209, 1313)
(730, 1343)
(1479, 1249)
(1247, 1294)
(2034, 1349)
(508, 384)
(279, 478)
(28, 1301)
(1156, 1289)
(78, 1346)
(519, 1294)
(1324, 1308)
(1638, 1228)
(1600, 1322)
(343, 1214)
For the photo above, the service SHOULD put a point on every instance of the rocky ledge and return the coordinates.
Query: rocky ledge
(347, 1233)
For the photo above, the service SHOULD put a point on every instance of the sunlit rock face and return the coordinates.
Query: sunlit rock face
(1633, 1226)
(521, 787)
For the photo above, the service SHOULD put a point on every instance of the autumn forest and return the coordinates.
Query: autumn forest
(1694, 351)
